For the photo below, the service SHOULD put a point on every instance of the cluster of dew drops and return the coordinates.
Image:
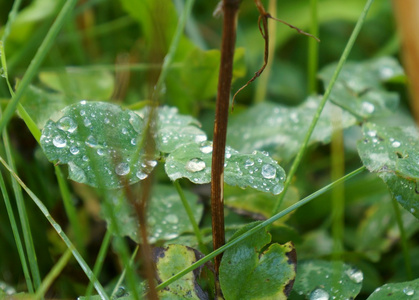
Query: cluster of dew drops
(267, 170)
(354, 275)
(68, 126)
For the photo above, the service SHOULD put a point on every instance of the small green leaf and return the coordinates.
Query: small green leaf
(318, 279)
(97, 140)
(172, 260)
(393, 153)
(256, 170)
(280, 129)
(81, 83)
(359, 86)
(396, 291)
(174, 129)
(164, 214)
(248, 273)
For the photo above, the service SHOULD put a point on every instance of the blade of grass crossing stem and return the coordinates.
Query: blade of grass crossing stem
(16, 235)
(10, 19)
(260, 226)
(53, 274)
(313, 49)
(326, 95)
(86, 269)
(189, 212)
(36, 61)
(99, 260)
(403, 238)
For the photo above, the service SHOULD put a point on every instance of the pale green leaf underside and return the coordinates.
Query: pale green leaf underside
(393, 153)
(396, 291)
(164, 214)
(359, 87)
(317, 279)
(281, 129)
(256, 170)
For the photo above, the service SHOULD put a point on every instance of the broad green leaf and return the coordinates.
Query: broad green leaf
(247, 272)
(359, 86)
(41, 105)
(408, 290)
(80, 83)
(393, 153)
(97, 140)
(280, 129)
(174, 129)
(172, 260)
(165, 214)
(318, 279)
(257, 205)
(256, 170)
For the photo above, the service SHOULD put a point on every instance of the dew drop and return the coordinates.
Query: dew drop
(319, 294)
(206, 147)
(87, 122)
(85, 158)
(172, 219)
(59, 141)
(122, 169)
(67, 124)
(268, 171)
(100, 152)
(82, 113)
(412, 210)
(141, 175)
(135, 121)
(124, 130)
(368, 107)
(74, 150)
(408, 291)
(121, 292)
(133, 141)
(372, 133)
(249, 163)
(277, 189)
(83, 102)
(57, 227)
(200, 138)
(91, 141)
(396, 144)
(195, 165)
(355, 275)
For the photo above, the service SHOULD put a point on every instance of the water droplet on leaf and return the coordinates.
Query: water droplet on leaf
(396, 144)
(268, 171)
(91, 141)
(355, 275)
(87, 122)
(172, 219)
(122, 169)
(141, 175)
(408, 291)
(67, 124)
(59, 141)
(74, 150)
(206, 147)
(195, 165)
(368, 107)
(319, 294)
(249, 163)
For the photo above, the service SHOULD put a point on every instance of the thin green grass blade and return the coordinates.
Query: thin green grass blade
(16, 235)
(86, 269)
(53, 274)
(313, 49)
(260, 226)
(326, 95)
(99, 260)
(36, 61)
(191, 217)
(121, 278)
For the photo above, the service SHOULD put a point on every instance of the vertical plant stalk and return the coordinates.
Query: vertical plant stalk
(313, 49)
(230, 11)
(338, 193)
(326, 95)
(403, 238)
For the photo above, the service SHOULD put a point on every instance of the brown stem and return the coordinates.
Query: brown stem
(230, 9)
